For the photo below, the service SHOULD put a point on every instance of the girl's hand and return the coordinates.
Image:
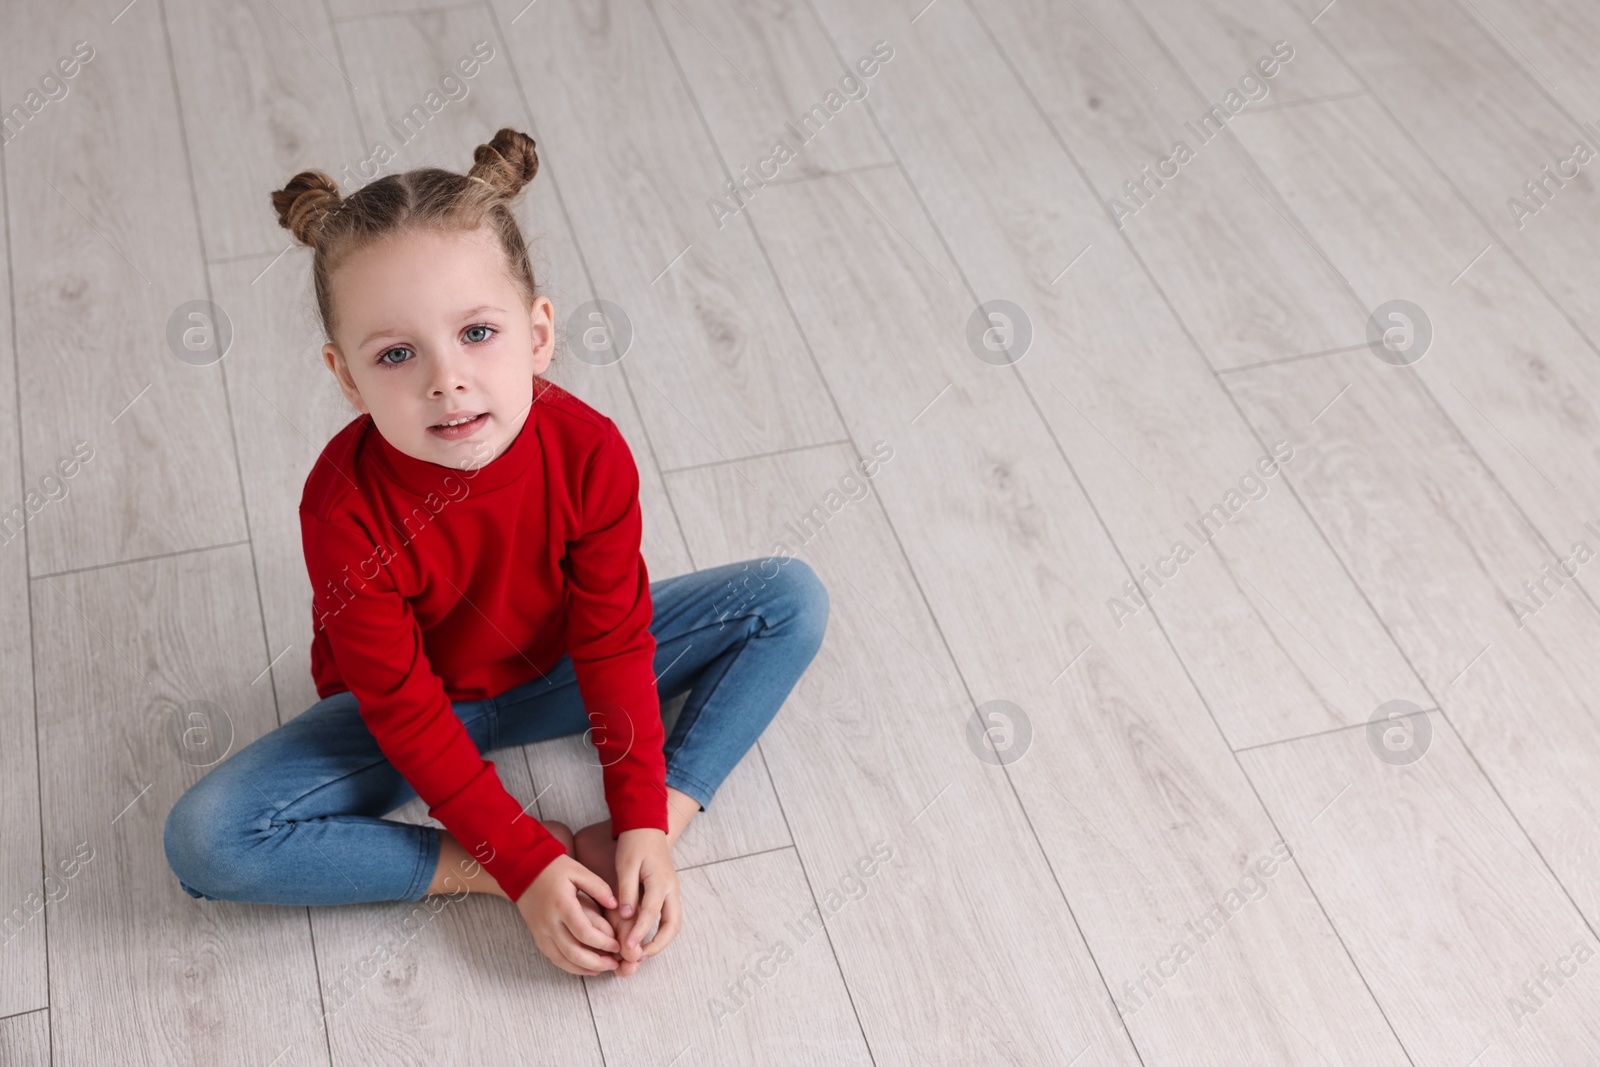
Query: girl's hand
(554, 915)
(644, 861)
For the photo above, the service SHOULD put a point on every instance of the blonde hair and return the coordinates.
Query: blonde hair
(311, 208)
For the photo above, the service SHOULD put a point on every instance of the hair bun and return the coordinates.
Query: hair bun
(302, 204)
(507, 163)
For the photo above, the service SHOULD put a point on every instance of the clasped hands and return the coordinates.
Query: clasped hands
(582, 941)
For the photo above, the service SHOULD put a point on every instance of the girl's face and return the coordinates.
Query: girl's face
(431, 330)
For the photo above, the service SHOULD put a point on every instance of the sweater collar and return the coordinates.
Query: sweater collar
(422, 477)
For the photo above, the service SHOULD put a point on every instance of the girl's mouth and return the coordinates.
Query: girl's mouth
(465, 429)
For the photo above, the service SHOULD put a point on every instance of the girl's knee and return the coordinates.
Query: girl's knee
(199, 832)
(805, 596)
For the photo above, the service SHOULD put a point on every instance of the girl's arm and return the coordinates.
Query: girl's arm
(377, 646)
(609, 638)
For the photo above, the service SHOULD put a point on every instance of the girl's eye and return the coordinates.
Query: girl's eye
(383, 357)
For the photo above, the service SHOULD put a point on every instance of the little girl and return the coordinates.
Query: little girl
(472, 539)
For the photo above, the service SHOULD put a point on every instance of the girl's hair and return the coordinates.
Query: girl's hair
(311, 208)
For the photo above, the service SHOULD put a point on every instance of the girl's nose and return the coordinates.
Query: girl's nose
(449, 372)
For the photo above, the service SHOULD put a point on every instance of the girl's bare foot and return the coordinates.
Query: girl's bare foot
(458, 872)
(595, 849)
(563, 833)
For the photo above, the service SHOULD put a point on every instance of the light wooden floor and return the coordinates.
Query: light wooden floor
(1188, 810)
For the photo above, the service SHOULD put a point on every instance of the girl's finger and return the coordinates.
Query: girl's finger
(582, 929)
(671, 923)
(589, 962)
(553, 953)
(624, 930)
(649, 915)
(600, 922)
(628, 889)
(595, 886)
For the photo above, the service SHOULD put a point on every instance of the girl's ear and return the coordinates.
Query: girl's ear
(541, 327)
(334, 358)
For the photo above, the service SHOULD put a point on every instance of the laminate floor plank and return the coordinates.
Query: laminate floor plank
(883, 693)
(1517, 379)
(1109, 712)
(755, 981)
(1475, 953)
(1442, 552)
(134, 663)
(1218, 42)
(763, 76)
(264, 97)
(1247, 284)
(1170, 464)
(104, 241)
(1491, 127)
(1556, 41)
(25, 1039)
(23, 493)
(716, 357)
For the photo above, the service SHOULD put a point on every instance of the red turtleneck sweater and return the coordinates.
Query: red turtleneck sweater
(431, 584)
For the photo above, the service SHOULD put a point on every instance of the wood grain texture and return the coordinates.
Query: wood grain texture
(759, 72)
(1492, 129)
(1029, 912)
(22, 942)
(976, 481)
(717, 360)
(1216, 42)
(104, 240)
(754, 980)
(1443, 904)
(140, 972)
(871, 748)
(25, 1039)
(1442, 553)
(264, 97)
(1557, 43)
(1248, 285)
(1519, 381)
(1155, 439)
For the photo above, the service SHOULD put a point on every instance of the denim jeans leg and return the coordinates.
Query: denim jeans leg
(736, 638)
(294, 817)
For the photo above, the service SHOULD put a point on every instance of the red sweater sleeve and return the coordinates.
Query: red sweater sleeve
(609, 639)
(377, 645)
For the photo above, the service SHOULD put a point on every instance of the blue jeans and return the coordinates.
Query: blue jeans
(295, 817)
